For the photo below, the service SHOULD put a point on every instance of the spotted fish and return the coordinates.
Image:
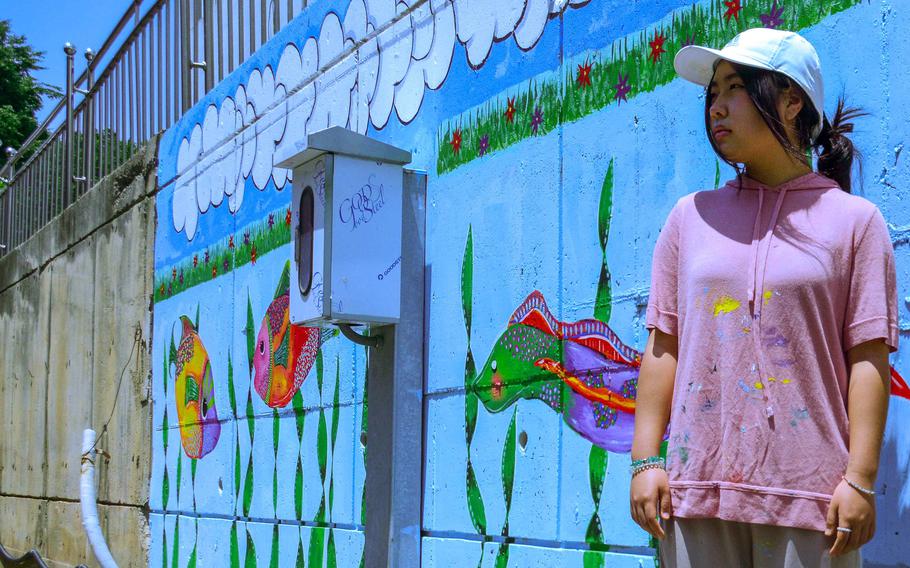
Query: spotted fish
(194, 391)
(580, 369)
(284, 353)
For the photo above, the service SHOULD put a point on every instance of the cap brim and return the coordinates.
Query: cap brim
(696, 63)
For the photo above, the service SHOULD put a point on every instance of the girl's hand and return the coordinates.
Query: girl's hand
(650, 491)
(851, 509)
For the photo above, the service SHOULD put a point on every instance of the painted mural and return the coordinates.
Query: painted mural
(556, 138)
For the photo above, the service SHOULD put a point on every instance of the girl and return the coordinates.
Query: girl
(772, 312)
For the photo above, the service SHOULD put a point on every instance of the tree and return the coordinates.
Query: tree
(20, 92)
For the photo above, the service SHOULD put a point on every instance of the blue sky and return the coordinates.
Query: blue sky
(48, 24)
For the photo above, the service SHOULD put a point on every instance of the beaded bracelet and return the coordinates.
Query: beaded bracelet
(637, 466)
(857, 487)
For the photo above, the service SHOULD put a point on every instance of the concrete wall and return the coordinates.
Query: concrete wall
(556, 138)
(71, 301)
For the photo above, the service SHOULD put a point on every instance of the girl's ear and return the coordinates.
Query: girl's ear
(791, 104)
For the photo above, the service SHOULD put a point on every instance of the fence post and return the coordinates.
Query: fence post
(88, 153)
(68, 150)
(186, 55)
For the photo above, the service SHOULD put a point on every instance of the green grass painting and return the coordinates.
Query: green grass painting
(244, 247)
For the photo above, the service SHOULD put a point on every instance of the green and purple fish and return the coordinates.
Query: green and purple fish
(580, 369)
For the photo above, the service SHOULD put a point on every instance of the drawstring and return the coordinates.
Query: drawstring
(755, 293)
(753, 253)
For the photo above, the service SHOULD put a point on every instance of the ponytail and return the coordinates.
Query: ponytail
(835, 157)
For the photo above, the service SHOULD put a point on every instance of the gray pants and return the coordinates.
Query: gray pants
(713, 543)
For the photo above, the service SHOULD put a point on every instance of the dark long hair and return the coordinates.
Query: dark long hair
(835, 150)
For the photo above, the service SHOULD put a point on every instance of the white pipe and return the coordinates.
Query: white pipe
(88, 500)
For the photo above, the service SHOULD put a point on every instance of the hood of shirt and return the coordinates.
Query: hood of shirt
(811, 180)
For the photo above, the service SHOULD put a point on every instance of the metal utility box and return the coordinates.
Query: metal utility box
(346, 218)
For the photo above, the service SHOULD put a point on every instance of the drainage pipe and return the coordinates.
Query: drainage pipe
(88, 500)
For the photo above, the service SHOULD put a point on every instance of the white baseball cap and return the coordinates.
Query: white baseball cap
(775, 50)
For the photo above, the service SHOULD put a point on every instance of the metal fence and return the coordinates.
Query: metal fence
(153, 68)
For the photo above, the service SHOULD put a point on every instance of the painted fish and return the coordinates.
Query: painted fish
(580, 369)
(194, 390)
(284, 353)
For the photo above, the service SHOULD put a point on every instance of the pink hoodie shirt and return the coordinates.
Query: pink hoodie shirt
(765, 307)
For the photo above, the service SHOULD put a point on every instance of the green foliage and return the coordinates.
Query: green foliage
(20, 91)
(603, 306)
(322, 445)
(179, 471)
(175, 553)
(300, 562)
(508, 482)
(235, 546)
(317, 541)
(250, 559)
(250, 332)
(475, 501)
(298, 489)
(276, 428)
(508, 469)
(165, 481)
(284, 281)
(467, 282)
(236, 470)
(192, 561)
(248, 486)
(299, 414)
(331, 560)
(273, 559)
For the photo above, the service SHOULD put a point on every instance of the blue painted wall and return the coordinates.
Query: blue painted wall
(533, 200)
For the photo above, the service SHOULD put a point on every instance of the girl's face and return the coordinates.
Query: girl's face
(737, 127)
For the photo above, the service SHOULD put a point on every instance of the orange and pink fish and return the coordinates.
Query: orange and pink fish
(284, 353)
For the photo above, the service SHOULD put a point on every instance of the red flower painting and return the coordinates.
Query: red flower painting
(583, 79)
(510, 110)
(733, 8)
(657, 47)
(456, 141)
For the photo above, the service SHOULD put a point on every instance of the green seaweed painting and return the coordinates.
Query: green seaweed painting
(476, 507)
(580, 369)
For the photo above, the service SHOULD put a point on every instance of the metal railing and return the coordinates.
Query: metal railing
(154, 67)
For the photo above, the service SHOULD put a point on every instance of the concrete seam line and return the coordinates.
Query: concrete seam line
(69, 500)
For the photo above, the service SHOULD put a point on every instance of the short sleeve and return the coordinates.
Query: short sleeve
(662, 311)
(871, 311)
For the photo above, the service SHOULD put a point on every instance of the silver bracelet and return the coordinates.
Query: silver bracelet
(646, 466)
(857, 487)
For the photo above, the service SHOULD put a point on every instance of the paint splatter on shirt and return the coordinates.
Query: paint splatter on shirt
(767, 289)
